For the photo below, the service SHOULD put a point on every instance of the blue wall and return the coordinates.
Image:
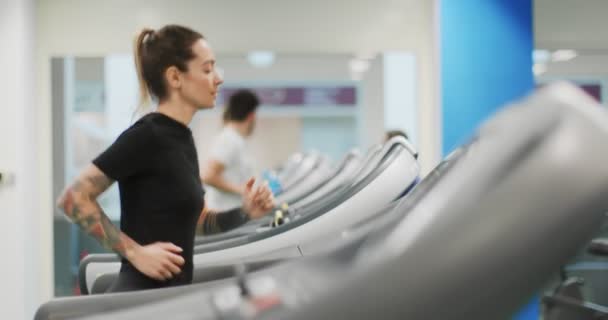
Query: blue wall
(486, 61)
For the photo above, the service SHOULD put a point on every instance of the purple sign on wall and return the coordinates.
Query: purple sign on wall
(299, 96)
(594, 90)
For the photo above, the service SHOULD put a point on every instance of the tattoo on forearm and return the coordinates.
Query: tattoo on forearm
(80, 205)
(99, 183)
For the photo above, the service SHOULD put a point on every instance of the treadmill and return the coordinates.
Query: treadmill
(474, 236)
(95, 266)
(341, 172)
(333, 215)
(312, 181)
(309, 163)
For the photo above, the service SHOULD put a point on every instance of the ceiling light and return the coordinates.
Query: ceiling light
(563, 55)
(358, 65)
(541, 56)
(261, 59)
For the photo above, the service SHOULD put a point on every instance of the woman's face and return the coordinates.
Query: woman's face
(201, 82)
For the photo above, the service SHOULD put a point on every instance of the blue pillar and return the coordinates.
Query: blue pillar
(486, 61)
(530, 311)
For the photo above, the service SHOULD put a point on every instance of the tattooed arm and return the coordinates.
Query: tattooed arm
(211, 222)
(79, 202)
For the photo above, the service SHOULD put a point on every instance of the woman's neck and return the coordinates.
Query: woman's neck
(178, 111)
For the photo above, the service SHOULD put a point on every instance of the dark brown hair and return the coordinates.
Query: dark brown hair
(155, 51)
(240, 105)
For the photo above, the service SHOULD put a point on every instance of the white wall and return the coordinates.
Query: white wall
(94, 28)
(570, 24)
(586, 68)
(238, 26)
(19, 242)
(594, 64)
(296, 67)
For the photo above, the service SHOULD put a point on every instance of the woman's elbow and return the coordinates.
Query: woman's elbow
(60, 202)
(65, 202)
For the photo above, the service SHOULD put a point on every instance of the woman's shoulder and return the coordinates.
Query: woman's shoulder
(142, 130)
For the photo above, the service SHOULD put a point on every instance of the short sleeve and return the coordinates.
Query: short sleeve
(225, 150)
(129, 155)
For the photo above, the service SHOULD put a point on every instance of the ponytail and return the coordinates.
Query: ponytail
(138, 54)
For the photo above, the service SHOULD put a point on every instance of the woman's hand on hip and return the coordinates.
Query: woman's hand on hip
(160, 260)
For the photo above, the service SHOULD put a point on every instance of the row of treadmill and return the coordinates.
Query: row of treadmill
(367, 238)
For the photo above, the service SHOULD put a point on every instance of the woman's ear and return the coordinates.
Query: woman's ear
(173, 77)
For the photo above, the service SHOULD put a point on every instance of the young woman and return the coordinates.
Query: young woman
(155, 164)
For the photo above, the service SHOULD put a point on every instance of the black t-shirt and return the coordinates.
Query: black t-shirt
(161, 196)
